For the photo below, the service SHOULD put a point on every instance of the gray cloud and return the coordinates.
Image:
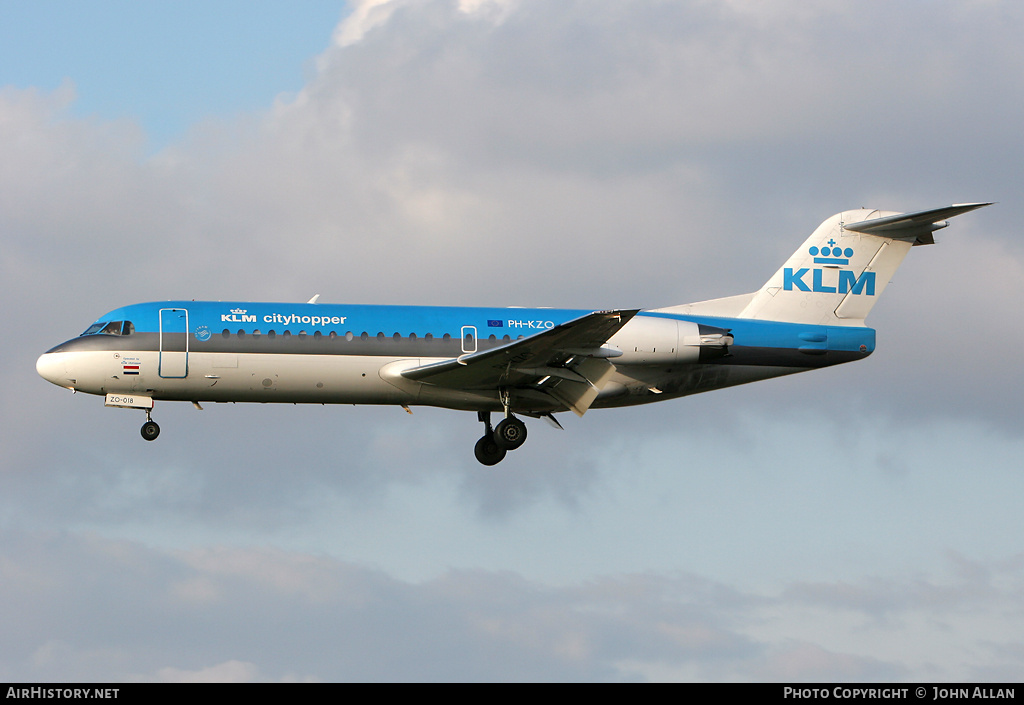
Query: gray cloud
(97, 609)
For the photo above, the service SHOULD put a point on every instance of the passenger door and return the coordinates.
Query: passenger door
(173, 343)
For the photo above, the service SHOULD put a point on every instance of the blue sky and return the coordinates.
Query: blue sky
(166, 66)
(859, 523)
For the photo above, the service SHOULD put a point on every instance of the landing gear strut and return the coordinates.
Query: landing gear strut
(150, 429)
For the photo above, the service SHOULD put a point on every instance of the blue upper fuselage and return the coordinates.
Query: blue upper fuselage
(211, 318)
(218, 316)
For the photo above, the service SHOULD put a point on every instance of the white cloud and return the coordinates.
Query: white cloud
(366, 14)
(227, 672)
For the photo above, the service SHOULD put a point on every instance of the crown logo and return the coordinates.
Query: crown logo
(238, 310)
(831, 254)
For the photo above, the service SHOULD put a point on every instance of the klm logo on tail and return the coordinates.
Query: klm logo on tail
(848, 282)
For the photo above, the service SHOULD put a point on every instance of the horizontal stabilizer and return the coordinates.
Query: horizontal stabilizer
(913, 226)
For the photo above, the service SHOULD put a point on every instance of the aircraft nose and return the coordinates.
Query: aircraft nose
(51, 367)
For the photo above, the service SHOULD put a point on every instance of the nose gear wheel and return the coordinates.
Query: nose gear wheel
(150, 430)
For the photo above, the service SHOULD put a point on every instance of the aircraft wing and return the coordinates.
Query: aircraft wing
(566, 362)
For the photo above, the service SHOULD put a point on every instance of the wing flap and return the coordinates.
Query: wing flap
(578, 396)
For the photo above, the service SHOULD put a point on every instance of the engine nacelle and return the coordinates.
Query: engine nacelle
(651, 340)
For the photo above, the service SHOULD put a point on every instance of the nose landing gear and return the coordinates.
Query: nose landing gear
(150, 429)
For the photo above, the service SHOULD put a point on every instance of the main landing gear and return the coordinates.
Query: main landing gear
(509, 434)
(150, 429)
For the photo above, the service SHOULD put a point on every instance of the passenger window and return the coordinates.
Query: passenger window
(349, 336)
(396, 337)
(256, 333)
(241, 333)
(225, 333)
(287, 334)
(302, 334)
(271, 334)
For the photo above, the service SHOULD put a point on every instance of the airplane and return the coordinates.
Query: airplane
(516, 361)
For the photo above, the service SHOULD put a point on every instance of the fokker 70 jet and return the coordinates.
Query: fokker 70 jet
(515, 361)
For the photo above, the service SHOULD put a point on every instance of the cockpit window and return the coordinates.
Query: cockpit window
(94, 328)
(110, 328)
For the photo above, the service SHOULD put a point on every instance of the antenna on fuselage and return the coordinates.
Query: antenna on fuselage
(313, 300)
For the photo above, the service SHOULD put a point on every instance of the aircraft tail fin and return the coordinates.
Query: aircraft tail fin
(842, 268)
